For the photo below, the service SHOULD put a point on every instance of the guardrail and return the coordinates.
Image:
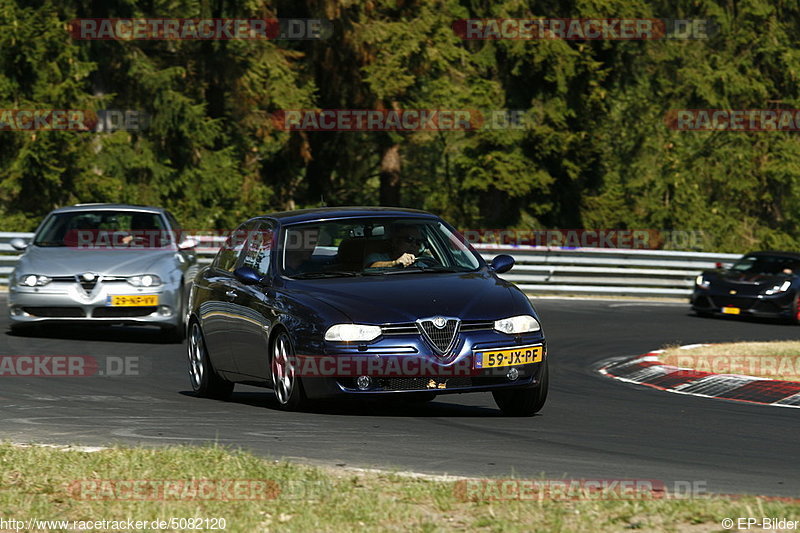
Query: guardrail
(542, 269)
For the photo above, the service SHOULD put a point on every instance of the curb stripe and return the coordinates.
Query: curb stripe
(649, 371)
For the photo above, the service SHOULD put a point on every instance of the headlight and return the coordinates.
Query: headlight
(517, 324)
(352, 332)
(145, 280)
(33, 280)
(779, 288)
(702, 282)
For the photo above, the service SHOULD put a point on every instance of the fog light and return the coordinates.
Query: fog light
(164, 310)
(513, 374)
(363, 382)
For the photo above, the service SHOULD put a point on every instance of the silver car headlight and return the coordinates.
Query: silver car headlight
(33, 280)
(145, 280)
(352, 332)
(517, 324)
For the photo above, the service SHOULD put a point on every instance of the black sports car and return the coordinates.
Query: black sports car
(359, 302)
(760, 284)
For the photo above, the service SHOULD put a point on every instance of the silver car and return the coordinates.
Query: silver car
(104, 263)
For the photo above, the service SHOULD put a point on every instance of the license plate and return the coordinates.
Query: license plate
(731, 310)
(135, 300)
(523, 355)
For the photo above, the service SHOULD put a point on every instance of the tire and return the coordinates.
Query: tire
(205, 381)
(525, 402)
(286, 384)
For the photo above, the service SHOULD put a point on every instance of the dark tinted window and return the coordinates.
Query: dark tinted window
(103, 228)
(766, 264)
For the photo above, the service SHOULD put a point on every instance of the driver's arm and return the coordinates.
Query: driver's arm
(404, 260)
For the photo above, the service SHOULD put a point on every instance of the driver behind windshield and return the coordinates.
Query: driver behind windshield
(406, 244)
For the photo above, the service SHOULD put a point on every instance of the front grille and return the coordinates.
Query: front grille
(441, 338)
(122, 312)
(477, 325)
(55, 312)
(88, 285)
(397, 384)
(766, 307)
(410, 328)
(432, 384)
(725, 301)
(399, 329)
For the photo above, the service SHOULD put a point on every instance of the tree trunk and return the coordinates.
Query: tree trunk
(390, 176)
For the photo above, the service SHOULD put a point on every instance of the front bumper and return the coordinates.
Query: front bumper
(757, 305)
(68, 302)
(415, 370)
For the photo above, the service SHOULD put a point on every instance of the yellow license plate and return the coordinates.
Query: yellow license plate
(731, 310)
(135, 300)
(523, 355)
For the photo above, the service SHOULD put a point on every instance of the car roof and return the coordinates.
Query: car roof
(325, 213)
(109, 207)
(791, 255)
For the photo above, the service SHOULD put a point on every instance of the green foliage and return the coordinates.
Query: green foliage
(594, 151)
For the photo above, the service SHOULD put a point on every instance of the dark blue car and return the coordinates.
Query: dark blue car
(362, 302)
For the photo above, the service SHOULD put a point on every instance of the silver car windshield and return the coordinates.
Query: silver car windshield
(371, 247)
(103, 229)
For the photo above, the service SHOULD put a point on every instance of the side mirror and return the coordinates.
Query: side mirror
(187, 244)
(18, 244)
(247, 275)
(502, 263)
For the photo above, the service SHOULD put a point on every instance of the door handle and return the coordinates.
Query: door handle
(230, 294)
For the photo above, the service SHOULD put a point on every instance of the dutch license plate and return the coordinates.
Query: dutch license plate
(731, 310)
(523, 355)
(133, 300)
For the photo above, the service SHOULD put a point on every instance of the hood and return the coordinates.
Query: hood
(407, 297)
(744, 283)
(751, 278)
(63, 261)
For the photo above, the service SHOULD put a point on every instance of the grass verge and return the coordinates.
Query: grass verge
(773, 360)
(52, 484)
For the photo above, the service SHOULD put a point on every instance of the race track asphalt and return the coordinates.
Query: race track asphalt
(592, 426)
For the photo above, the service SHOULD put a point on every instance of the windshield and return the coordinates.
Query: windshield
(374, 246)
(766, 264)
(104, 229)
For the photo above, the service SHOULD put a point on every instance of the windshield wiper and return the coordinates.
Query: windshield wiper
(49, 244)
(327, 274)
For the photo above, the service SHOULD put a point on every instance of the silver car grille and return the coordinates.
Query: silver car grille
(88, 285)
